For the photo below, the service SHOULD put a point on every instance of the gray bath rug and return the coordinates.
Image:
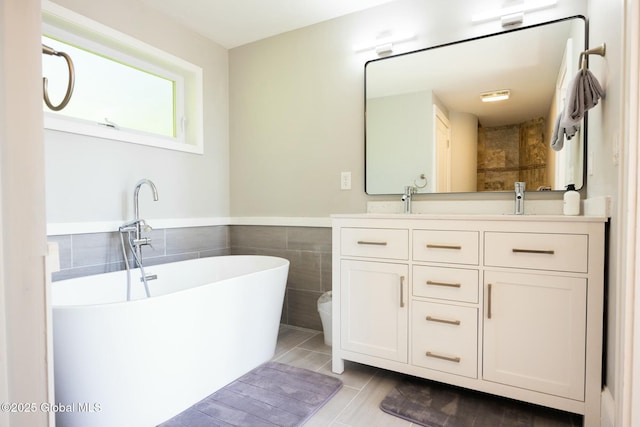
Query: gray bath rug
(272, 394)
(432, 404)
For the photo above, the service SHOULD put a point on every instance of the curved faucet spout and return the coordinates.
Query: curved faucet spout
(136, 208)
(138, 223)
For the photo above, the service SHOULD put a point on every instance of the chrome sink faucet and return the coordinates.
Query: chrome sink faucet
(409, 191)
(519, 190)
(139, 241)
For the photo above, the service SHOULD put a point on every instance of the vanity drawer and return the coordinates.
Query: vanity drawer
(445, 338)
(454, 284)
(539, 251)
(456, 247)
(375, 243)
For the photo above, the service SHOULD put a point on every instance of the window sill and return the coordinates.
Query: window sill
(58, 124)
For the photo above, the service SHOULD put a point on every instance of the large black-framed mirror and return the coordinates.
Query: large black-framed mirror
(427, 126)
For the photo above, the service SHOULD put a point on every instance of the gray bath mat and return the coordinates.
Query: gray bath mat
(272, 394)
(432, 404)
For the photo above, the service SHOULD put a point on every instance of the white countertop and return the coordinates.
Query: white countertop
(473, 217)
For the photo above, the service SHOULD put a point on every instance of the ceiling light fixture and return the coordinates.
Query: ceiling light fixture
(496, 95)
(515, 10)
(383, 44)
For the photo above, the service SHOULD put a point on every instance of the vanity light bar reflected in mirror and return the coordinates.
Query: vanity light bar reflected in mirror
(497, 95)
(526, 6)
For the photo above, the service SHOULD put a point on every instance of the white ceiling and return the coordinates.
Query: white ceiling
(232, 23)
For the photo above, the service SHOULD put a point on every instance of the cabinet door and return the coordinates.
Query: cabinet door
(534, 332)
(374, 309)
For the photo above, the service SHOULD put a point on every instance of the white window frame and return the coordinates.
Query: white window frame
(73, 28)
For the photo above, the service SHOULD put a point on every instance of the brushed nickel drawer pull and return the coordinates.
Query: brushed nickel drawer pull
(432, 246)
(450, 285)
(401, 291)
(449, 322)
(440, 356)
(489, 301)
(365, 242)
(533, 251)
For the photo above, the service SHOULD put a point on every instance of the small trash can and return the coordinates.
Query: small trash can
(324, 308)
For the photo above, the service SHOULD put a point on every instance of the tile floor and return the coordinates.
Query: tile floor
(356, 404)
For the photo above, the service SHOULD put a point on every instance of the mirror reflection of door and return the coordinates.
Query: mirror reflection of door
(442, 166)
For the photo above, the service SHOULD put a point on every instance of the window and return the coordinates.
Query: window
(124, 89)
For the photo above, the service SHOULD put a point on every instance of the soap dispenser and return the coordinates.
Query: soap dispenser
(571, 204)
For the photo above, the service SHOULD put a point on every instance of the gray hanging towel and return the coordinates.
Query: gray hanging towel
(559, 133)
(583, 93)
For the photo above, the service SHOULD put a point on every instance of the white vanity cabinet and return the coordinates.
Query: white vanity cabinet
(535, 311)
(374, 293)
(534, 332)
(508, 305)
(444, 328)
(373, 298)
(445, 337)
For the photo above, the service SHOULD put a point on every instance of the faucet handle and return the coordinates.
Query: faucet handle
(142, 241)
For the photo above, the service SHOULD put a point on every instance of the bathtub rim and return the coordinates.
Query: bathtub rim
(283, 262)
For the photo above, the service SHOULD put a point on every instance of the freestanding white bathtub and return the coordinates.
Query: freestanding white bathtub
(138, 363)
